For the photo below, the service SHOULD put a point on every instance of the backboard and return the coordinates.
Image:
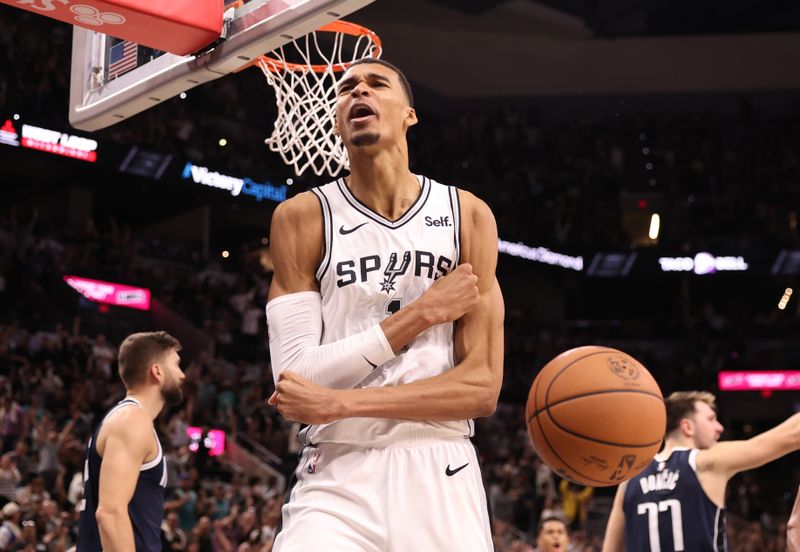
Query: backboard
(113, 79)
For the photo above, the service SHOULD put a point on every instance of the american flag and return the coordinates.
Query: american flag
(122, 58)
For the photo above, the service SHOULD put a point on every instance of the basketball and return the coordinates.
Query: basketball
(596, 416)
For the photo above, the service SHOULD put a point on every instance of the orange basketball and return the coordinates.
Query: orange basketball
(596, 416)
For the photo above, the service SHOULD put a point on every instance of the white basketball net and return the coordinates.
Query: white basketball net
(306, 98)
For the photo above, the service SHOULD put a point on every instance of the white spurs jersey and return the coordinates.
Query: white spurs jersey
(372, 267)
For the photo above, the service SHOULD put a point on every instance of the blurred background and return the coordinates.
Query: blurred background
(642, 159)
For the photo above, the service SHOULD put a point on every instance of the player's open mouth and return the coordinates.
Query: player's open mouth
(360, 112)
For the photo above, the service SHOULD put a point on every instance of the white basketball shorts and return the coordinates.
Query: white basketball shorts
(421, 495)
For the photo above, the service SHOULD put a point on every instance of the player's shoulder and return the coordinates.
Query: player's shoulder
(130, 422)
(713, 458)
(474, 210)
(297, 211)
(472, 202)
(302, 204)
(129, 429)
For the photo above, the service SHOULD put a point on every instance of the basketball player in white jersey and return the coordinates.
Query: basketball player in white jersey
(680, 505)
(125, 472)
(386, 336)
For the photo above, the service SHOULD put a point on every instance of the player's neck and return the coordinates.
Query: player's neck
(384, 183)
(677, 441)
(151, 401)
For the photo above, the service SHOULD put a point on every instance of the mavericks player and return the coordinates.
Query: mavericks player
(125, 471)
(678, 502)
(370, 272)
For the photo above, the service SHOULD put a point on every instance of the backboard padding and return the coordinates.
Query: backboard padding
(251, 30)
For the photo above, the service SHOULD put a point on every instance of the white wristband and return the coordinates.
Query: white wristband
(295, 331)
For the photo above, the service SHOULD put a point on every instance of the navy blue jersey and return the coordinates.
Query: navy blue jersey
(667, 510)
(146, 508)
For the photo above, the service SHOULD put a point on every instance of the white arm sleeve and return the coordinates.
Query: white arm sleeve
(295, 331)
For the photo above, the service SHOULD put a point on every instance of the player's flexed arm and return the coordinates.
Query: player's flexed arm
(294, 311)
(717, 464)
(468, 390)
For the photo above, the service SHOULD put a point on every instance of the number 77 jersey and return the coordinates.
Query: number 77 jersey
(667, 510)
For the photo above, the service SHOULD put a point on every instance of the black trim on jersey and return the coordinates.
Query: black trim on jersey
(455, 208)
(327, 232)
(415, 208)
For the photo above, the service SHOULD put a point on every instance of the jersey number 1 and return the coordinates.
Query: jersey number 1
(652, 509)
(394, 306)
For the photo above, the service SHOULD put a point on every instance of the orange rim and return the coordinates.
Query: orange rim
(345, 27)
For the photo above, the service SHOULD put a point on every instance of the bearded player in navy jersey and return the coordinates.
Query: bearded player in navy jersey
(678, 502)
(125, 473)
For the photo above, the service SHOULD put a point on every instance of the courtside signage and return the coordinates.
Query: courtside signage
(780, 380)
(59, 143)
(541, 255)
(703, 263)
(232, 184)
(110, 293)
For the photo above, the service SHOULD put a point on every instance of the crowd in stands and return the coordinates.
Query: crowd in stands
(56, 385)
(58, 377)
(722, 178)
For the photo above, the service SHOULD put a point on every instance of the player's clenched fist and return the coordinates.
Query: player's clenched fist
(300, 400)
(452, 296)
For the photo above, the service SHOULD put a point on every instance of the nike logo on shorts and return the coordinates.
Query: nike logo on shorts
(365, 358)
(344, 231)
(448, 472)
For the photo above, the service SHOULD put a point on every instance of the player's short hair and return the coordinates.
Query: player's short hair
(681, 404)
(139, 351)
(393, 67)
(544, 520)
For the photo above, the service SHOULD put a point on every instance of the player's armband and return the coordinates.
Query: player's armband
(295, 330)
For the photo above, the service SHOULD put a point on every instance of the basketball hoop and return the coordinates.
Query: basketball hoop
(303, 74)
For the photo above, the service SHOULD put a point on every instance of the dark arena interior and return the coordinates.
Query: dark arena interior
(642, 161)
